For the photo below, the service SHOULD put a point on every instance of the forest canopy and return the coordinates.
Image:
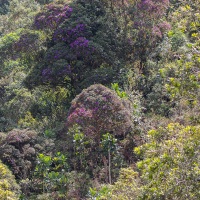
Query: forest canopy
(99, 99)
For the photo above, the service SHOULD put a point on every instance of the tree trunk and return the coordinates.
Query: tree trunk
(109, 167)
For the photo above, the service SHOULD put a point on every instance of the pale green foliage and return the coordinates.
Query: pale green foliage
(170, 165)
(52, 177)
(185, 83)
(55, 178)
(184, 71)
(8, 39)
(120, 93)
(127, 186)
(8, 186)
(14, 97)
(99, 194)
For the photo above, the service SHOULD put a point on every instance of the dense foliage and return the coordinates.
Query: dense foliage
(99, 99)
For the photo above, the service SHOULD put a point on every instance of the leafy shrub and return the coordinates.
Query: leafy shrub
(6, 45)
(21, 15)
(168, 169)
(53, 176)
(4, 7)
(18, 150)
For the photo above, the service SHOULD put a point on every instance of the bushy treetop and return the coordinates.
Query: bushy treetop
(98, 110)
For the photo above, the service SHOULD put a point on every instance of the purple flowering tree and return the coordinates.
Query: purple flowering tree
(83, 38)
(52, 16)
(71, 41)
(99, 110)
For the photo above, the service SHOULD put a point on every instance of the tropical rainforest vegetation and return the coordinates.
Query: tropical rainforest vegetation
(99, 99)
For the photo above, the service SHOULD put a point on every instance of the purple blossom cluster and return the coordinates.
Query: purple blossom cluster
(65, 71)
(80, 42)
(47, 72)
(76, 39)
(164, 26)
(81, 47)
(80, 113)
(53, 16)
(148, 16)
(156, 32)
(67, 35)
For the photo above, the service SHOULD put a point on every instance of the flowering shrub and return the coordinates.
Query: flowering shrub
(76, 37)
(98, 110)
(59, 69)
(82, 47)
(79, 42)
(155, 7)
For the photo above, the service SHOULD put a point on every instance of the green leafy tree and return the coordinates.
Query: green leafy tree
(108, 144)
(170, 165)
(52, 172)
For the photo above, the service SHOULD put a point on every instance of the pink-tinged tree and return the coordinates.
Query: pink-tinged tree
(149, 25)
(99, 110)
